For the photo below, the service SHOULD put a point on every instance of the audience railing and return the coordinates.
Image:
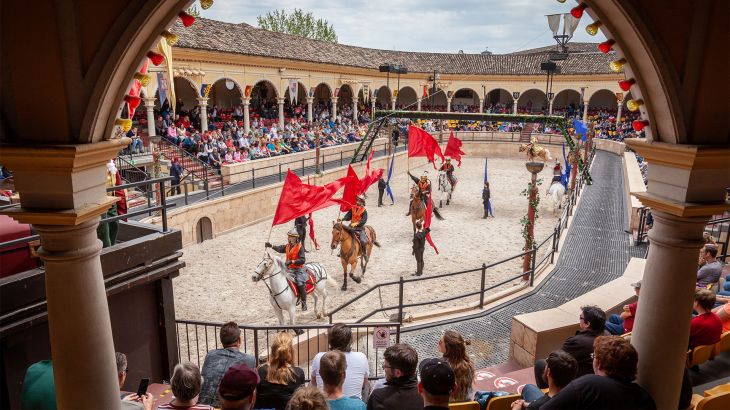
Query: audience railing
(196, 338)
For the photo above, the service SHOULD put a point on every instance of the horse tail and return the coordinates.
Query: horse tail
(438, 214)
(372, 233)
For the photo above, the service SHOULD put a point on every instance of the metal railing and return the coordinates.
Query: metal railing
(196, 338)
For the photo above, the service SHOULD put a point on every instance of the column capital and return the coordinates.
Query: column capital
(280, 101)
(246, 101)
(149, 102)
(310, 100)
(684, 180)
(202, 101)
(334, 99)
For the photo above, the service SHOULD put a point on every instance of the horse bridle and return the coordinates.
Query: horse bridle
(263, 279)
(340, 228)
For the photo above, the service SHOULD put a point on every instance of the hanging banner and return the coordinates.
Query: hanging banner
(293, 91)
(166, 50)
(162, 87)
(337, 91)
(205, 90)
(247, 92)
(366, 93)
(395, 94)
(425, 90)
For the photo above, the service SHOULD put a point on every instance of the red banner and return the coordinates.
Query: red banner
(299, 199)
(427, 223)
(423, 144)
(453, 148)
(349, 195)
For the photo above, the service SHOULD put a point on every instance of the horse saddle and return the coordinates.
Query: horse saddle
(309, 284)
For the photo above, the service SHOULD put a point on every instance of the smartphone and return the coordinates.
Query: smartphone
(142, 389)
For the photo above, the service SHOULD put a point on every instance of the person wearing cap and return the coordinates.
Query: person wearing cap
(624, 323)
(401, 387)
(237, 390)
(358, 217)
(295, 260)
(424, 185)
(437, 383)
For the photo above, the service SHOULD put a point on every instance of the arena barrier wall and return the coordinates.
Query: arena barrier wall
(534, 335)
(633, 183)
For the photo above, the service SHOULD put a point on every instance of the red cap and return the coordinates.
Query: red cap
(238, 382)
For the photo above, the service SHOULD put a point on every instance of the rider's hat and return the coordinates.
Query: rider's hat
(293, 232)
(360, 198)
(425, 174)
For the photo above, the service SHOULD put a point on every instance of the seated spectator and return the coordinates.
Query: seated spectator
(710, 272)
(453, 348)
(580, 346)
(307, 398)
(130, 401)
(624, 323)
(339, 337)
(706, 327)
(237, 389)
(279, 377)
(217, 362)
(215, 159)
(561, 368)
(135, 147)
(185, 384)
(437, 384)
(333, 366)
(611, 387)
(39, 388)
(401, 387)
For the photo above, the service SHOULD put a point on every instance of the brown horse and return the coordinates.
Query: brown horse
(351, 249)
(418, 208)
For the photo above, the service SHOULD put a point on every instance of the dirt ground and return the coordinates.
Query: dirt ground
(216, 283)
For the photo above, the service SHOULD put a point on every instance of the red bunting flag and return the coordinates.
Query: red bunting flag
(427, 223)
(423, 144)
(453, 148)
(135, 90)
(370, 177)
(299, 199)
(352, 187)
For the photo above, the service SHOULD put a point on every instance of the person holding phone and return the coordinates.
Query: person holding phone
(140, 400)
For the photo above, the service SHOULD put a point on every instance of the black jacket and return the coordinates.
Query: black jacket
(580, 347)
(486, 195)
(382, 184)
(400, 394)
(419, 240)
(301, 222)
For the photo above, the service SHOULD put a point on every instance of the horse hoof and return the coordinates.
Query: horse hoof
(319, 316)
(357, 280)
(344, 287)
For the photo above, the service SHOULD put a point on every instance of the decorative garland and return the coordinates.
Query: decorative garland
(525, 222)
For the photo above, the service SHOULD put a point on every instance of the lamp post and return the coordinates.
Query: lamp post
(433, 78)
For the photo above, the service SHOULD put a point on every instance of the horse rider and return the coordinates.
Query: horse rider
(295, 259)
(557, 172)
(424, 185)
(300, 224)
(448, 167)
(358, 217)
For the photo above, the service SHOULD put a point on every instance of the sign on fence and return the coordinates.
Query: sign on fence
(381, 337)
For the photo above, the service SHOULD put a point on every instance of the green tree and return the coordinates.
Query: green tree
(298, 23)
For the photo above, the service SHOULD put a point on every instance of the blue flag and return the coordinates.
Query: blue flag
(387, 183)
(580, 128)
(566, 175)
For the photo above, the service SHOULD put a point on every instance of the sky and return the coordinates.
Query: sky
(501, 26)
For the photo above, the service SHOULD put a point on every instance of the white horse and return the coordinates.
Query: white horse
(281, 295)
(556, 193)
(445, 188)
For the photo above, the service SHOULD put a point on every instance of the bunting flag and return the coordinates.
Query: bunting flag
(293, 91)
(387, 183)
(453, 148)
(135, 90)
(349, 195)
(566, 175)
(205, 90)
(580, 128)
(423, 144)
(311, 232)
(299, 199)
(425, 91)
(427, 223)
(166, 50)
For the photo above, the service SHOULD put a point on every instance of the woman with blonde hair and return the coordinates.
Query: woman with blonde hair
(453, 348)
(279, 377)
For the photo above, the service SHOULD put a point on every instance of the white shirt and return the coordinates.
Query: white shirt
(358, 369)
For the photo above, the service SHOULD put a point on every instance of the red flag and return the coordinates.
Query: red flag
(453, 148)
(427, 223)
(298, 199)
(423, 144)
(311, 232)
(352, 187)
(370, 179)
(135, 90)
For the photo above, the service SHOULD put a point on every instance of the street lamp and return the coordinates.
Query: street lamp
(435, 77)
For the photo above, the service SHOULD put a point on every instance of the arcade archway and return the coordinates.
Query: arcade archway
(532, 101)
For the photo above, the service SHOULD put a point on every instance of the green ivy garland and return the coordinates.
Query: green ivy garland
(525, 222)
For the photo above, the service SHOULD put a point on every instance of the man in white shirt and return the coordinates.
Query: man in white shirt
(339, 337)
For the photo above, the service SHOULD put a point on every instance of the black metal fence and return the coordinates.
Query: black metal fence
(196, 338)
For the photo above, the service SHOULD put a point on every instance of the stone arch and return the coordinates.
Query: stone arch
(383, 97)
(498, 100)
(267, 83)
(465, 99)
(602, 99)
(299, 108)
(439, 98)
(222, 97)
(345, 96)
(203, 229)
(567, 100)
(263, 100)
(407, 98)
(322, 92)
(532, 101)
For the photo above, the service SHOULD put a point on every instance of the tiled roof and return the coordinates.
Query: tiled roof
(573, 48)
(245, 39)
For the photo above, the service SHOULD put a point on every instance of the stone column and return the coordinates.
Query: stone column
(334, 109)
(246, 115)
(354, 109)
(550, 110)
(310, 102)
(618, 114)
(686, 187)
(448, 105)
(372, 107)
(203, 103)
(585, 112)
(418, 104)
(392, 104)
(149, 105)
(481, 105)
(69, 201)
(281, 112)
(514, 107)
